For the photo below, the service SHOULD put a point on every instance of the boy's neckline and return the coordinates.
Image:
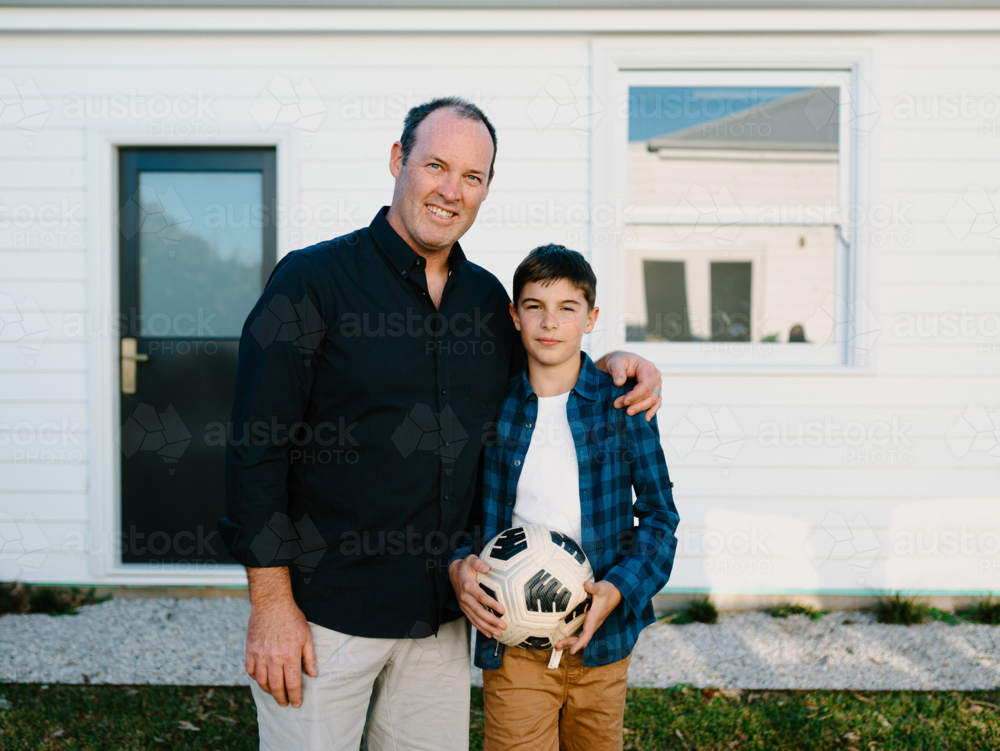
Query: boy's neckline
(555, 396)
(560, 384)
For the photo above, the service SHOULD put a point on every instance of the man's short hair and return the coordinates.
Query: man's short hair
(462, 107)
(550, 263)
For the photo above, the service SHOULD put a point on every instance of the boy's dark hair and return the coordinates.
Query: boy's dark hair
(549, 263)
(462, 107)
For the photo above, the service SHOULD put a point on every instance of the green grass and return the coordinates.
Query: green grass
(126, 718)
(97, 718)
(901, 611)
(16, 597)
(700, 610)
(986, 610)
(789, 608)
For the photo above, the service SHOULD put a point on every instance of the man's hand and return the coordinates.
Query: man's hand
(606, 598)
(473, 599)
(278, 637)
(646, 395)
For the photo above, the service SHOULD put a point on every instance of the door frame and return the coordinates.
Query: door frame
(104, 560)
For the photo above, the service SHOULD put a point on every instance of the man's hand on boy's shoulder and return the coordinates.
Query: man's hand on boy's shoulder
(606, 598)
(645, 397)
(472, 599)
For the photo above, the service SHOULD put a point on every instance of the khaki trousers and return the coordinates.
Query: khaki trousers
(413, 694)
(572, 708)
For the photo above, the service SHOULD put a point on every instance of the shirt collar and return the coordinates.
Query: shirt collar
(400, 255)
(586, 383)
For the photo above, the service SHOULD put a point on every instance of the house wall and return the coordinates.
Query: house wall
(780, 515)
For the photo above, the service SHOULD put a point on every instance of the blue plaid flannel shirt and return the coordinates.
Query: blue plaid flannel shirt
(616, 453)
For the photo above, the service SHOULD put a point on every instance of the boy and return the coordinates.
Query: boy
(565, 458)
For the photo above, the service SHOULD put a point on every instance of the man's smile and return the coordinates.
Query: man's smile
(440, 212)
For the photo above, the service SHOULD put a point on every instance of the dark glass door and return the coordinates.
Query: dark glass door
(197, 244)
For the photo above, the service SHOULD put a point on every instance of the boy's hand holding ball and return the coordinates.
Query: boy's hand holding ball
(605, 599)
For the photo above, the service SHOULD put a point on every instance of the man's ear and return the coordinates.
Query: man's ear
(591, 320)
(513, 314)
(396, 159)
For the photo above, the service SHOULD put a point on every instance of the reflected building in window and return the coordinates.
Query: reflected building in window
(747, 181)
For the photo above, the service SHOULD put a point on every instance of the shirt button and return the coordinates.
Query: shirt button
(447, 497)
(446, 443)
(510, 501)
(527, 424)
(444, 392)
(517, 462)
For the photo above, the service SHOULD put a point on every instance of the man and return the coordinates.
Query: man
(370, 370)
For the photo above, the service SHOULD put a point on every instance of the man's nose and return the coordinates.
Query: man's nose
(549, 320)
(450, 189)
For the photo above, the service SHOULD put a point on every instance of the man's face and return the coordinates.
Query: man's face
(552, 320)
(443, 183)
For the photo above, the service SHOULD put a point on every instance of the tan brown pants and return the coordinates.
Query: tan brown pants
(571, 708)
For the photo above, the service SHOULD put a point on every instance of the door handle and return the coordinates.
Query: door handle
(129, 358)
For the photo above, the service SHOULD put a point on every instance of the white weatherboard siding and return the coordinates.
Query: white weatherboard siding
(773, 497)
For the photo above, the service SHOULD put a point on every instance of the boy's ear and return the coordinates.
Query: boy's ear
(513, 314)
(591, 320)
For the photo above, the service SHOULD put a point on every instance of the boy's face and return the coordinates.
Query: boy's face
(552, 319)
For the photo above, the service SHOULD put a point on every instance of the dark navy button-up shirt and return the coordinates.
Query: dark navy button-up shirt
(357, 428)
(616, 453)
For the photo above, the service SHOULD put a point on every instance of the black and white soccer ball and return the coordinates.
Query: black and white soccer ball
(537, 574)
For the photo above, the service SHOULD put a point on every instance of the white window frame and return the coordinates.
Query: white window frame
(615, 67)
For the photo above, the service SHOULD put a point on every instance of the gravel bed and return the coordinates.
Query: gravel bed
(164, 641)
(201, 642)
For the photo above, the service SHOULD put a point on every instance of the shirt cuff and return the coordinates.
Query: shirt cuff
(261, 549)
(632, 600)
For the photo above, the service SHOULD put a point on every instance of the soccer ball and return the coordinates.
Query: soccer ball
(537, 574)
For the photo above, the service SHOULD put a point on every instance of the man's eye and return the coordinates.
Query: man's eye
(475, 178)
(432, 164)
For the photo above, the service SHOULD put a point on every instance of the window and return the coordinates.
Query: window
(738, 184)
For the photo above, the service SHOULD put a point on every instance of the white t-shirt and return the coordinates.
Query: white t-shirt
(548, 490)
